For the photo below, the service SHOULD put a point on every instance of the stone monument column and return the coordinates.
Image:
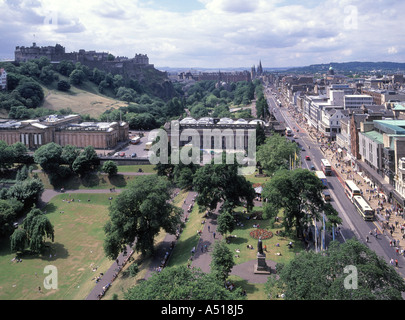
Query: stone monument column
(261, 267)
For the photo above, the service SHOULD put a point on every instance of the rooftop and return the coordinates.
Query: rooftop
(390, 126)
(375, 136)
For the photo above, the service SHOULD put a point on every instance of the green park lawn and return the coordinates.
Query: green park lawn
(77, 250)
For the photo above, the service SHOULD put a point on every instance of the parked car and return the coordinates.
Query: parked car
(117, 154)
(133, 155)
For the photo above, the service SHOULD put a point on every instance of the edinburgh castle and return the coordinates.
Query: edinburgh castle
(137, 68)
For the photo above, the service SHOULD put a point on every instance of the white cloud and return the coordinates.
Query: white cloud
(224, 33)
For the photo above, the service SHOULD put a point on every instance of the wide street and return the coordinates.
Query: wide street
(353, 224)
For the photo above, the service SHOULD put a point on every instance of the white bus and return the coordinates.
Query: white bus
(326, 167)
(322, 177)
(363, 208)
(351, 189)
(288, 132)
(135, 140)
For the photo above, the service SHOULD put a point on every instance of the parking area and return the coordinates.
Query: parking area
(135, 150)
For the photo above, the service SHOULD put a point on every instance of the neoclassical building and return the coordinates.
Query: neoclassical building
(63, 130)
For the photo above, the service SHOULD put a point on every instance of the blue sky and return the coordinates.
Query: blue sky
(212, 33)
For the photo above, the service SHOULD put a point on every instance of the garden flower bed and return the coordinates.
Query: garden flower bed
(263, 233)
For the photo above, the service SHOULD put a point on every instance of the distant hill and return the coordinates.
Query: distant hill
(352, 67)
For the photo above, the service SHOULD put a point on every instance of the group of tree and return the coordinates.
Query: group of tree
(146, 112)
(141, 212)
(12, 154)
(60, 162)
(183, 283)
(346, 271)
(18, 199)
(208, 98)
(299, 194)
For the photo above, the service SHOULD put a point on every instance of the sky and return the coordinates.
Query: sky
(212, 33)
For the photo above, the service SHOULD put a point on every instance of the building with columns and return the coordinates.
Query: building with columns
(63, 130)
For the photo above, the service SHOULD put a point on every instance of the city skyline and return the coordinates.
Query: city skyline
(211, 33)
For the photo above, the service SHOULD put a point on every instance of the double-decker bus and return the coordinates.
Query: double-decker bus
(351, 189)
(363, 208)
(288, 132)
(326, 167)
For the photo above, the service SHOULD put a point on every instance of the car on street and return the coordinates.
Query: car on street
(122, 154)
(313, 168)
(117, 154)
(307, 158)
(133, 155)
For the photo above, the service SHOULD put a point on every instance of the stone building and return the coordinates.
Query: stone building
(63, 130)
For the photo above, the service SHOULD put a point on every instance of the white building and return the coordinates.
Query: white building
(355, 101)
(330, 124)
(3, 79)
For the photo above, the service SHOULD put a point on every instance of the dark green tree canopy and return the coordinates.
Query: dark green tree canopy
(348, 271)
(299, 193)
(35, 229)
(140, 212)
(182, 283)
(276, 153)
(220, 183)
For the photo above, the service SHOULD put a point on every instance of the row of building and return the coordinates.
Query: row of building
(365, 118)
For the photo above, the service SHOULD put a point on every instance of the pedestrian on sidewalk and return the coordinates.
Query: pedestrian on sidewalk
(213, 234)
(209, 228)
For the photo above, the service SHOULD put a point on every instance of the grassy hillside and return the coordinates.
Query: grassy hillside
(83, 100)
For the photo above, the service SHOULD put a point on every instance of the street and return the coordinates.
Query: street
(353, 224)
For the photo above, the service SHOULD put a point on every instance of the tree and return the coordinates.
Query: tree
(7, 218)
(222, 261)
(140, 213)
(182, 283)
(86, 161)
(31, 93)
(347, 271)
(28, 191)
(77, 77)
(276, 153)
(110, 167)
(220, 183)
(47, 75)
(18, 240)
(226, 223)
(69, 155)
(299, 193)
(63, 85)
(260, 135)
(37, 229)
(49, 157)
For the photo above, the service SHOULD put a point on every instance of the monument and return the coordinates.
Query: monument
(261, 267)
